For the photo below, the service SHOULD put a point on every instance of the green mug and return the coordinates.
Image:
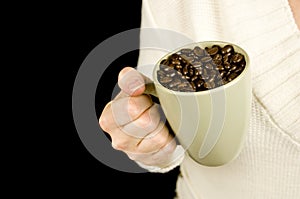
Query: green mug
(211, 125)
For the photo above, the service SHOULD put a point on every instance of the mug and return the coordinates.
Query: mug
(211, 125)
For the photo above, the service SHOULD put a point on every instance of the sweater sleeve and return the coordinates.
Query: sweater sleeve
(176, 159)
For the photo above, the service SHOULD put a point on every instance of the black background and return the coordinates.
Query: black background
(84, 28)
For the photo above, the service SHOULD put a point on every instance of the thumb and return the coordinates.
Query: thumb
(131, 81)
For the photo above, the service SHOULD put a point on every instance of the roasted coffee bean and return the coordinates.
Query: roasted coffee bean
(226, 57)
(233, 68)
(185, 51)
(176, 62)
(194, 78)
(198, 69)
(227, 65)
(165, 80)
(222, 74)
(191, 72)
(174, 56)
(161, 73)
(209, 66)
(243, 63)
(206, 59)
(171, 73)
(174, 83)
(185, 70)
(186, 77)
(197, 64)
(212, 51)
(236, 58)
(209, 85)
(205, 76)
(193, 86)
(163, 63)
(227, 49)
(178, 67)
(217, 62)
(232, 76)
(198, 51)
(220, 67)
(187, 58)
(239, 70)
(199, 83)
(217, 57)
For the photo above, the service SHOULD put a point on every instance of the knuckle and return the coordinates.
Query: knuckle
(103, 123)
(119, 145)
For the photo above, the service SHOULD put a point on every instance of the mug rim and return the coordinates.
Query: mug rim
(201, 44)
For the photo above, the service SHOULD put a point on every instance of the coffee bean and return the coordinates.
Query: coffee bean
(217, 57)
(197, 64)
(233, 68)
(236, 58)
(193, 86)
(185, 51)
(185, 70)
(186, 77)
(161, 73)
(222, 74)
(232, 76)
(176, 62)
(220, 67)
(227, 49)
(188, 58)
(217, 62)
(191, 72)
(199, 83)
(227, 65)
(165, 80)
(209, 66)
(209, 85)
(178, 67)
(198, 69)
(171, 73)
(212, 51)
(194, 78)
(174, 83)
(206, 59)
(226, 57)
(198, 51)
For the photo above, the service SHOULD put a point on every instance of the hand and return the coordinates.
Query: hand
(134, 122)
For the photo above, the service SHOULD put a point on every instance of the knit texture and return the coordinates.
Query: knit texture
(269, 164)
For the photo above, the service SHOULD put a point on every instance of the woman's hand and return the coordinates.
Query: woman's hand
(135, 124)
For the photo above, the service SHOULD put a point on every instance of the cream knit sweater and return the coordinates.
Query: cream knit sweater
(268, 166)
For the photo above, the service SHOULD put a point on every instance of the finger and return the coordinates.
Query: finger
(120, 112)
(162, 157)
(128, 109)
(146, 123)
(131, 81)
(156, 140)
(106, 120)
(122, 141)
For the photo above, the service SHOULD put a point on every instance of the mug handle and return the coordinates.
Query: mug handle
(150, 89)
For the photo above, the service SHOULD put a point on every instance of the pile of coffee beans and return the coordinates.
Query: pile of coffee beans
(198, 69)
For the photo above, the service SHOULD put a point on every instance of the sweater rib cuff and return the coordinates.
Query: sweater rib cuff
(176, 160)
